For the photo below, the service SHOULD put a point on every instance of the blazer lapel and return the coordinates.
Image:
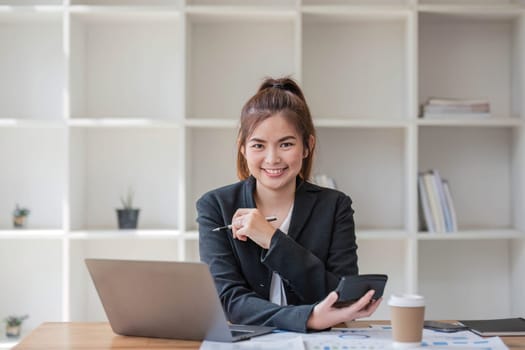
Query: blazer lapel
(249, 189)
(303, 205)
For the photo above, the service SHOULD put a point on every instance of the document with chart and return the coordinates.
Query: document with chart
(374, 337)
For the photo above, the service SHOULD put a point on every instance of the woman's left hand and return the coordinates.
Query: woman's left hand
(325, 315)
(250, 223)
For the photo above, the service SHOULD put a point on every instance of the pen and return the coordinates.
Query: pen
(227, 227)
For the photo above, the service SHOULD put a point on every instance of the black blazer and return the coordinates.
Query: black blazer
(320, 248)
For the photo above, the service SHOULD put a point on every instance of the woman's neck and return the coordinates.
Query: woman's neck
(274, 202)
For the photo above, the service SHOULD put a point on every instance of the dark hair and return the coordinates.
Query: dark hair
(274, 96)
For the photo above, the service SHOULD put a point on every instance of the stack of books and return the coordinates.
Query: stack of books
(436, 205)
(455, 108)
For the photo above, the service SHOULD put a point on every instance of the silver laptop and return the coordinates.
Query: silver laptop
(163, 299)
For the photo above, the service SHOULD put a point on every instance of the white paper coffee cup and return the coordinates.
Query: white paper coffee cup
(407, 316)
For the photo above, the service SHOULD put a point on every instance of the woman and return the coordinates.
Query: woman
(280, 273)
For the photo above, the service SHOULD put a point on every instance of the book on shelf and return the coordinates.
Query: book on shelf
(450, 108)
(450, 204)
(426, 219)
(436, 204)
(443, 202)
(497, 327)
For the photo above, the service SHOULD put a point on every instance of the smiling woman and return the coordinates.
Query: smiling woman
(274, 155)
(279, 273)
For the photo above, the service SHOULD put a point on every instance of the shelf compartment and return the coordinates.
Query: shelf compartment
(477, 163)
(356, 159)
(459, 53)
(33, 175)
(125, 64)
(211, 163)
(391, 263)
(32, 276)
(85, 304)
(456, 277)
(32, 65)
(105, 162)
(239, 44)
(347, 76)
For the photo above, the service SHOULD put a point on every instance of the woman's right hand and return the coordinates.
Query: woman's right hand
(250, 223)
(325, 315)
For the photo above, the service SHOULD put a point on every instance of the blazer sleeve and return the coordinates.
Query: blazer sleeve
(319, 274)
(241, 303)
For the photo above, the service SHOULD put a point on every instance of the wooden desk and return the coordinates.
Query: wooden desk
(94, 336)
(99, 336)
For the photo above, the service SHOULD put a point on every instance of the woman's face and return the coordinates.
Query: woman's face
(274, 154)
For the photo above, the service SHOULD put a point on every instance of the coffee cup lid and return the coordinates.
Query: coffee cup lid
(406, 300)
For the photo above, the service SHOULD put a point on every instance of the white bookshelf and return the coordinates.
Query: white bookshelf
(105, 162)
(100, 95)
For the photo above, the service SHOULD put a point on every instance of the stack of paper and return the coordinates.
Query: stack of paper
(456, 108)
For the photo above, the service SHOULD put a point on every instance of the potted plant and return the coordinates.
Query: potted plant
(128, 216)
(13, 325)
(20, 215)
